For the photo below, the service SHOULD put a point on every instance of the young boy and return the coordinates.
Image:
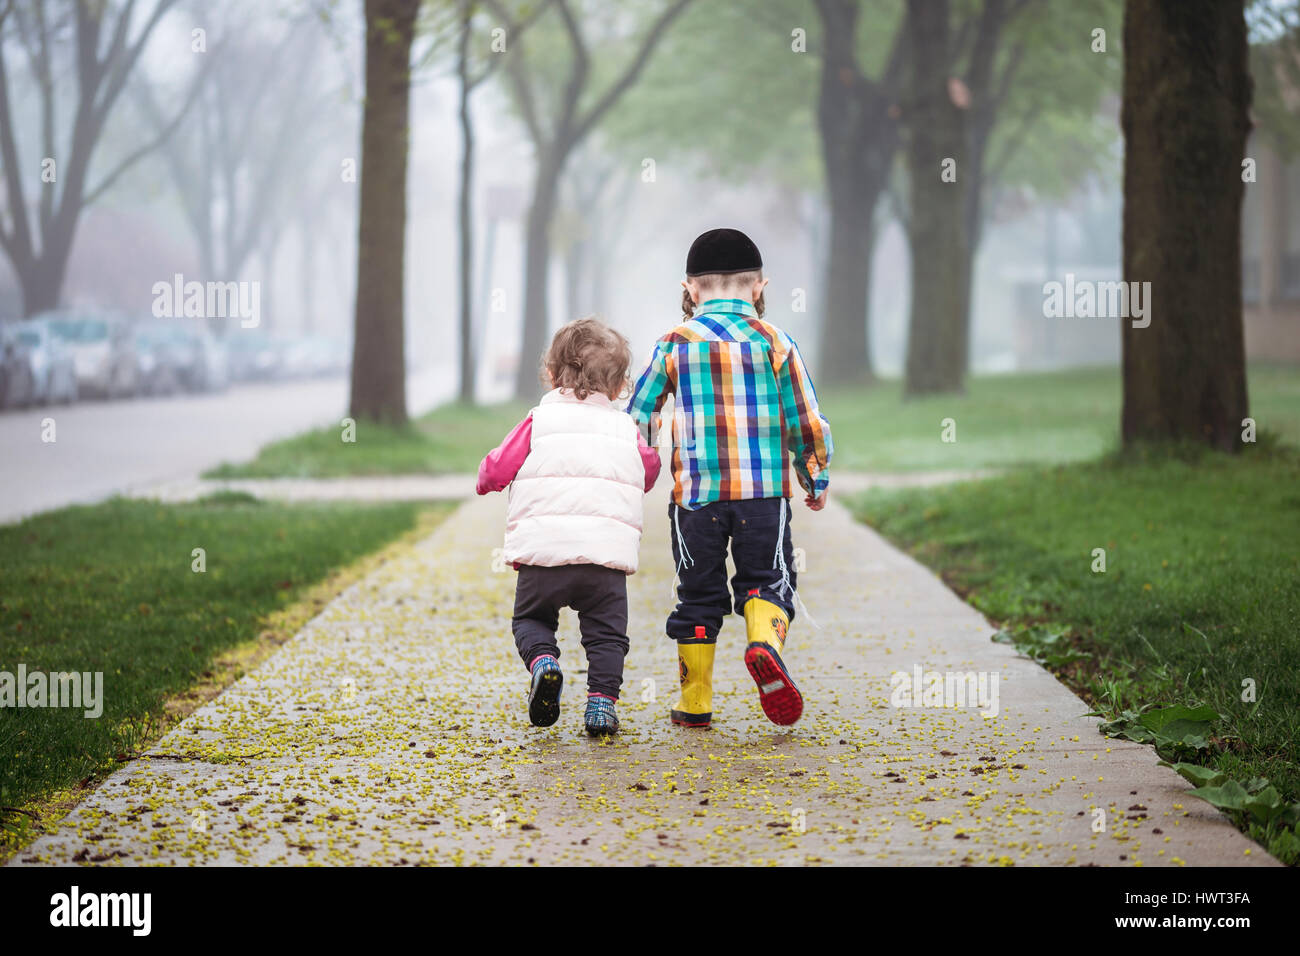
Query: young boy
(743, 404)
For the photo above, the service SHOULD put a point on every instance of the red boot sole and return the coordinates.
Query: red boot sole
(781, 700)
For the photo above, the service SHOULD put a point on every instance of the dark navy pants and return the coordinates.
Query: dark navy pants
(701, 538)
(598, 594)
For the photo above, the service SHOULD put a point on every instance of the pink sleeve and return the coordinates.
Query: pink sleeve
(502, 463)
(650, 458)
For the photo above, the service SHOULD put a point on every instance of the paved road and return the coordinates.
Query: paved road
(393, 730)
(103, 448)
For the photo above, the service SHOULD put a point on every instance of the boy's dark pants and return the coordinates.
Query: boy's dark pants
(751, 528)
(598, 594)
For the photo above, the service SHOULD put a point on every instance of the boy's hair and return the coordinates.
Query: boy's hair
(714, 281)
(588, 356)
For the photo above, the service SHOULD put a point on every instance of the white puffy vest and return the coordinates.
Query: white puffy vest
(577, 498)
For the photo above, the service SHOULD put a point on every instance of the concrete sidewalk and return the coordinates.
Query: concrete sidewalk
(393, 730)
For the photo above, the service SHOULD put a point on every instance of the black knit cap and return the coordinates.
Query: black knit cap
(722, 251)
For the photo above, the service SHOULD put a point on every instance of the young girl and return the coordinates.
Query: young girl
(577, 468)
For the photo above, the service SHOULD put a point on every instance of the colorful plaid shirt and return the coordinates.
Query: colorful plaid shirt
(744, 403)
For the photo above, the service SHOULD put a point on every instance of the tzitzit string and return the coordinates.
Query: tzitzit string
(684, 560)
(778, 561)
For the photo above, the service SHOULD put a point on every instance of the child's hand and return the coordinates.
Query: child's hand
(817, 504)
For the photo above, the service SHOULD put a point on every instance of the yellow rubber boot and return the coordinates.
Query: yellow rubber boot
(766, 625)
(695, 666)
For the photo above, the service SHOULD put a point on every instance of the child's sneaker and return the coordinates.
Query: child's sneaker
(601, 719)
(544, 691)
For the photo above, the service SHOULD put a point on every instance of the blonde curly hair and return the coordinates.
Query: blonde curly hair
(588, 357)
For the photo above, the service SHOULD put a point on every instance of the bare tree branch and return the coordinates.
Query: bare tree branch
(46, 81)
(164, 133)
(891, 77)
(988, 31)
(514, 30)
(126, 61)
(1003, 85)
(1012, 143)
(578, 70)
(99, 72)
(621, 85)
(18, 240)
(517, 69)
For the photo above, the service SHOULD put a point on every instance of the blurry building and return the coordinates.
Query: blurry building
(1025, 248)
(1270, 250)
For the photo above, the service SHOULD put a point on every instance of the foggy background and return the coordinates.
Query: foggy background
(301, 74)
(232, 154)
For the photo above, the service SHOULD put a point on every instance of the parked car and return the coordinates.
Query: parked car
(160, 357)
(211, 370)
(103, 350)
(198, 361)
(54, 374)
(254, 356)
(315, 356)
(17, 385)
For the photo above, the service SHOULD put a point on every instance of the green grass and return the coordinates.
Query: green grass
(449, 440)
(111, 588)
(1201, 589)
(1002, 421)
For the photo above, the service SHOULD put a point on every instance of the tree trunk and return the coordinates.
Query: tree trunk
(1185, 116)
(378, 358)
(42, 279)
(553, 148)
(104, 57)
(980, 118)
(601, 246)
(537, 261)
(268, 320)
(937, 339)
(973, 220)
(488, 264)
(575, 270)
(858, 138)
(844, 354)
(42, 285)
(308, 275)
(465, 212)
(598, 283)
